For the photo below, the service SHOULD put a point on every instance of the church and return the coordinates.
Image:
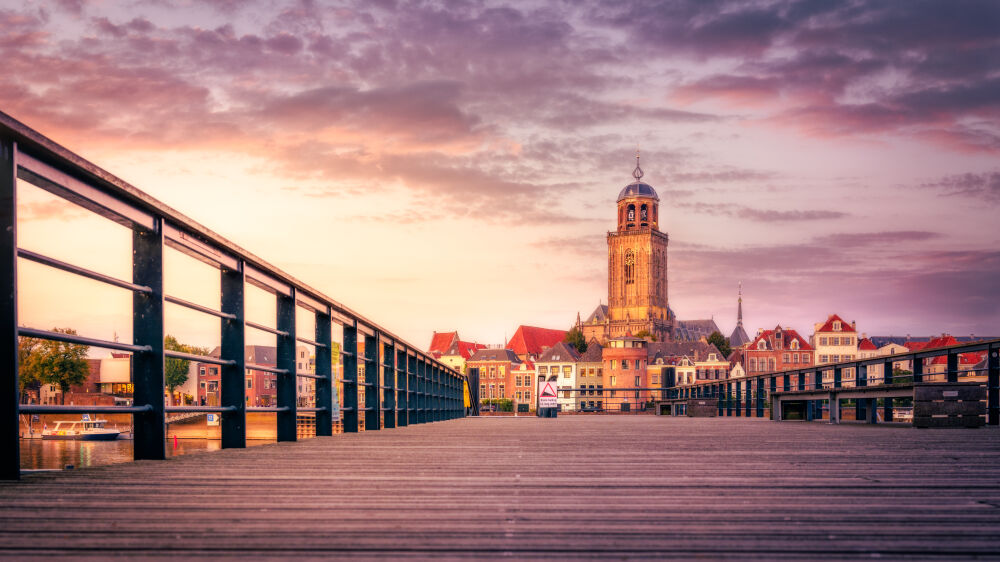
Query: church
(637, 275)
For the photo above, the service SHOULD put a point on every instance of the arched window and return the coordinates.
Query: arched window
(631, 213)
(629, 267)
(643, 213)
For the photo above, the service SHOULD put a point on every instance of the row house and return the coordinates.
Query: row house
(834, 341)
(590, 376)
(625, 360)
(524, 383)
(693, 361)
(496, 379)
(448, 348)
(777, 350)
(559, 363)
(261, 387)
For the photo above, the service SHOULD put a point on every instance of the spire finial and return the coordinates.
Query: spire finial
(739, 314)
(637, 172)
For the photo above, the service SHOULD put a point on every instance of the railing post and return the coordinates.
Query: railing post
(748, 399)
(287, 382)
(993, 387)
(373, 414)
(952, 367)
(324, 368)
(729, 399)
(411, 389)
(149, 428)
(422, 391)
(738, 398)
(918, 369)
(836, 377)
(887, 378)
(231, 377)
(760, 397)
(389, 380)
(350, 354)
(10, 468)
(860, 404)
(786, 382)
(401, 384)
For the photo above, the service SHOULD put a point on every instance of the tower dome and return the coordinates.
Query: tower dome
(638, 188)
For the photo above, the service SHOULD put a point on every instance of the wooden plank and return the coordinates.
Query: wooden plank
(949, 421)
(571, 487)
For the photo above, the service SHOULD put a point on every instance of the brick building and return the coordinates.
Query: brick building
(496, 379)
(777, 350)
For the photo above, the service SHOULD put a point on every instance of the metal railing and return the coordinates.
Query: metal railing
(410, 388)
(748, 396)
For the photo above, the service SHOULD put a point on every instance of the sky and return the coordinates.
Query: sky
(454, 165)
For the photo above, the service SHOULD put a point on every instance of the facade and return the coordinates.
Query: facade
(561, 360)
(524, 383)
(777, 350)
(496, 379)
(834, 340)
(625, 360)
(596, 326)
(637, 265)
(458, 353)
(260, 387)
(590, 375)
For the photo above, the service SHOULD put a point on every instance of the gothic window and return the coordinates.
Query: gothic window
(629, 267)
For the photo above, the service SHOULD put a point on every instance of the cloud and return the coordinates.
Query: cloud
(855, 239)
(762, 215)
(984, 187)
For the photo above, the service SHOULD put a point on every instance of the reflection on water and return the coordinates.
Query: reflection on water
(49, 454)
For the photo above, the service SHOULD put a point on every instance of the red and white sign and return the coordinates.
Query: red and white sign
(547, 395)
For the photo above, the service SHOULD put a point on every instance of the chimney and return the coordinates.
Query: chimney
(854, 325)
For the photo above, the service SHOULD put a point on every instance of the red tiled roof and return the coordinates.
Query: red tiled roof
(441, 342)
(787, 336)
(828, 327)
(466, 349)
(915, 345)
(866, 345)
(529, 340)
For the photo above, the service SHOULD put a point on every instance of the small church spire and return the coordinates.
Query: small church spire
(637, 172)
(739, 311)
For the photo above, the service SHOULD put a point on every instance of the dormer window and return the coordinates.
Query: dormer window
(795, 344)
(711, 357)
(761, 345)
(836, 325)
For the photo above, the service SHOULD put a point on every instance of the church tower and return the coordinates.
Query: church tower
(637, 265)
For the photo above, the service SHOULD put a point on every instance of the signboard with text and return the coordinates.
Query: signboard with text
(547, 395)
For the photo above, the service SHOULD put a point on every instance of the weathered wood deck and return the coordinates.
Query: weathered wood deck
(578, 487)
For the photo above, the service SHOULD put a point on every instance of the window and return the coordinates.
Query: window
(655, 380)
(567, 371)
(770, 363)
(502, 391)
(824, 358)
(638, 383)
(805, 357)
(835, 358)
(492, 388)
(201, 371)
(614, 380)
(836, 325)
(482, 391)
(249, 383)
(761, 345)
(753, 364)
(543, 370)
(629, 266)
(712, 357)
(822, 341)
(795, 344)
(795, 358)
(785, 358)
(625, 364)
(517, 380)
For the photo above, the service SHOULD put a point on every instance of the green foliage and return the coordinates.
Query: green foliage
(52, 362)
(645, 334)
(175, 371)
(503, 404)
(720, 342)
(575, 338)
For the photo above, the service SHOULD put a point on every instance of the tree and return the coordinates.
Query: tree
(27, 353)
(575, 338)
(645, 334)
(720, 342)
(175, 371)
(53, 362)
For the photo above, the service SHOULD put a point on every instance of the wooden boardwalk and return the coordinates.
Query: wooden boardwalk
(572, 487)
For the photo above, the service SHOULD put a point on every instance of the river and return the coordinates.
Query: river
(57, 454)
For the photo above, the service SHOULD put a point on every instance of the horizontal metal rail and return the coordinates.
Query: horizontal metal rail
(198, 307)
(310, 409)
(46, 409)
(207, 409)
(197, 358)
(71, 338)
(310, 376)
(309, 341)
(68, 267)
(266, 369)
(268, 409)
(267, 329)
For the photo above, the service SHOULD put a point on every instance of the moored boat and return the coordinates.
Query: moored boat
(83, 430)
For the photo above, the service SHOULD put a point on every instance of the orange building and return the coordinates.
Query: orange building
(777, 350)
(625, 361)
(496, 378)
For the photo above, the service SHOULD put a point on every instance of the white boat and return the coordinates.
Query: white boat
(83, 430)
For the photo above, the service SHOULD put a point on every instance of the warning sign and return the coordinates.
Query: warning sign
(547, 395)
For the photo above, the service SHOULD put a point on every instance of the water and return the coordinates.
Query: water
(56, 454)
